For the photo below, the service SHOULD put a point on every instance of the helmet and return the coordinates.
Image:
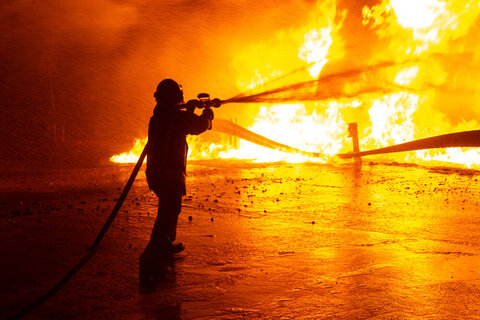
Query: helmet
(169, 91)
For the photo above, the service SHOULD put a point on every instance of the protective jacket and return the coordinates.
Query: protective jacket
(167, 156)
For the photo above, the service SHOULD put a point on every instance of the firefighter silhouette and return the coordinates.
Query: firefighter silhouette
(166, 170)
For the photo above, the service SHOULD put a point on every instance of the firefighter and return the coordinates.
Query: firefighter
(166, 170)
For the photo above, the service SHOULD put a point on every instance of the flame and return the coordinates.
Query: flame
(132, 155)
(428, 88)
(435, 32)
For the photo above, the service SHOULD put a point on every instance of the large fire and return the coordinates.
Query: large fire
(426, 85)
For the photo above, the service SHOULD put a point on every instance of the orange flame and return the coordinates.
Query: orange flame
(428, 89)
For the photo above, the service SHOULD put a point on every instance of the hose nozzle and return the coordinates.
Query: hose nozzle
(202, 102)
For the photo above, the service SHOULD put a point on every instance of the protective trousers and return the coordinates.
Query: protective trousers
(169, 206)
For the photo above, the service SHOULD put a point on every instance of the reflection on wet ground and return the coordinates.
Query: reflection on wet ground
(263, 241)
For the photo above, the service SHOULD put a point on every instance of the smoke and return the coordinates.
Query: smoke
(51, 51)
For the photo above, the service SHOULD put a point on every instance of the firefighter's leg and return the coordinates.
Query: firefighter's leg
(165, 228)
(175, 206)
(177, 195)
(155, 262)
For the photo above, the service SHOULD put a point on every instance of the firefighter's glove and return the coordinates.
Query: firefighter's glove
(207, 113)
(192, 104)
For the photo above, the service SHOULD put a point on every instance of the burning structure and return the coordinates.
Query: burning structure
(405, 71)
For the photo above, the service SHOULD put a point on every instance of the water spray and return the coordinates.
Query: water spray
(323, 88)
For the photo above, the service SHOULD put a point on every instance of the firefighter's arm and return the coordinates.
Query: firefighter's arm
(202, 123)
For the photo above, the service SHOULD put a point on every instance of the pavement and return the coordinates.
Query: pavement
(263, 241)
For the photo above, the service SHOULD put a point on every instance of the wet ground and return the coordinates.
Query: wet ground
(263, 241)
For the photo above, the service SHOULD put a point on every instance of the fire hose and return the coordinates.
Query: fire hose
(94, 247)
(202, 102)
